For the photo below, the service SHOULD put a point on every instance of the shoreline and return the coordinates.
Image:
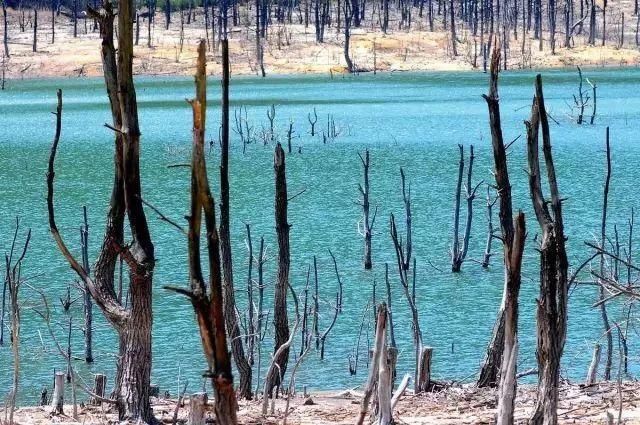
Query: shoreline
(452, 406)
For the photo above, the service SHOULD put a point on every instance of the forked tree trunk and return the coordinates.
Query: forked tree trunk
(367, 220)
(207, 300)
(490, 371)
(133, 323)
(552, 302)
(280, 320)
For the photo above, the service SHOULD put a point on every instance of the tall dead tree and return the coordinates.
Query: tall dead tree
(367, 221)
(406, 198)
(5, 35)
(459, 251)
(552, 302)
(35, 30)
(490, 370)
(132, 322)
(237, 348)
(603, 237)
(348, 17)
(87, 304)
(207, 302)
(280, 320)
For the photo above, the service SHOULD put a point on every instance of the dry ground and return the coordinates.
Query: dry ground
(290, 49)
(465, 405)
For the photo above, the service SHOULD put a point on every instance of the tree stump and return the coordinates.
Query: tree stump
(197, 409)
(100, 383)
(154, 391)
(57, 402)
(424, 369)
(592, 374)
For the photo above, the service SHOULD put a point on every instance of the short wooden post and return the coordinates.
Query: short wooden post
(57, 402)
(99, 385)
(424, 370)
(44, 396)
(197, 409)
(392, 356)
(592, 374)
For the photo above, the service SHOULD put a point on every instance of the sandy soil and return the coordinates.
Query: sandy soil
(461, 405)
(290, 49)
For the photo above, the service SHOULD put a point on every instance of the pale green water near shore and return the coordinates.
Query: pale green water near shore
(409, 120)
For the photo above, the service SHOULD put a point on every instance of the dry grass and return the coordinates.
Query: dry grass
(290, 49)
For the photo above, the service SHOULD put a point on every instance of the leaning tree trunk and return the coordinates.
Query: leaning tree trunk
(490, 371)
(280, 319)
(237, 348)
(552, 302)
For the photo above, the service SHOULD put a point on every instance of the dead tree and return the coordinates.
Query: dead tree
(35, 30)
(490, 370)
(367, 222)
(132, 322)
(603, 237)
(87, 304)
(14, 281)
(552, 302)
(313, 121)
(280, 320)
(379, 348)
(406, 198)
(5, 35)
(404, 281)
(594, 87)
(490, 230)
(459, 253)
(237, 349)
(348, 17)
(207, 302)
(508, 380)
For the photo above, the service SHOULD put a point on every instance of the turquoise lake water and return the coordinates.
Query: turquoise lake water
(413, 121)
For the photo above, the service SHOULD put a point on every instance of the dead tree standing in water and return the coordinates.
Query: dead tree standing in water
(367, 222)
(86, 295)
(490, 229)
(489, 373)
(132, 323)
(458, 254)
(237, 348)
(280, 319)
(207, 303)
(406, 198)
(552, 303)
(603, 237)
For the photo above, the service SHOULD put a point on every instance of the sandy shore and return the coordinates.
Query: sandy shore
(461, 405)
(290, 49)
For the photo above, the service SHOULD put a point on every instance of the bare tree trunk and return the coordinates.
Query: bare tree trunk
(5, 36)
(603, 237)
(367, 221)
(133, 324)
(208, 306)
(552, 302)
(379, 348)
(280, 320)
(86, 295)
(489, 373)
(35, 30)
(237, 349)
(508, 382)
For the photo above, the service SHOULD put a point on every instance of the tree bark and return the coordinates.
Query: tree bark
(489, 373)
(237, 348)
(280, 319)
(552, 302)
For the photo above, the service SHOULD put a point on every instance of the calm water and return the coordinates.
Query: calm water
(409, 120)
